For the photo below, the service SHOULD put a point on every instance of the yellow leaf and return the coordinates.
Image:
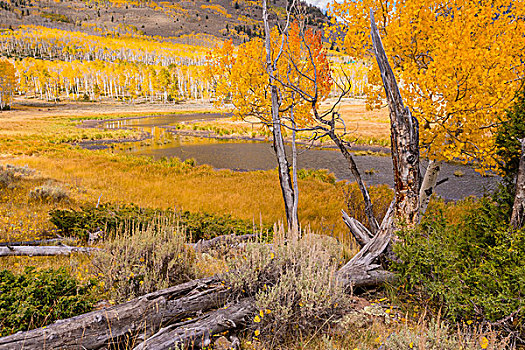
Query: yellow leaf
(411, 345)
(257, 332)
(484, 342)
(257, 319)
(261, 312)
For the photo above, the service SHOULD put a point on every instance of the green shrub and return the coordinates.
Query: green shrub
(143, 259)
(109, 217)
(474, 270)
(36, 298)
(508, 135)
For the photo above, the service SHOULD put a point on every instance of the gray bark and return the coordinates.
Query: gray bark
(362, 270)
(357, 229)
(278, 142)
(127, 323)
(517, 218)
(197, 333)
(404, 140)
(42, 250)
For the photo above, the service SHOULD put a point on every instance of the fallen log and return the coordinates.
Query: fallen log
(32, 243)
(132, 321)
(197, 333)
(42, 250)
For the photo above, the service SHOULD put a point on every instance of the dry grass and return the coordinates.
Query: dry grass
(363, 126)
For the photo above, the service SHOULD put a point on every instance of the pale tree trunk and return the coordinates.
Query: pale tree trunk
(278, 142)
(428, 185)
(518, 210)
(365, 268)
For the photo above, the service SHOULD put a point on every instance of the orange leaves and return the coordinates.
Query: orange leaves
(459, 65)
(242, 77)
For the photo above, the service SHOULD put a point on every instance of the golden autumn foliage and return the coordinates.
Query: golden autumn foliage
(459, 64)
(8, 83)
(240, 74)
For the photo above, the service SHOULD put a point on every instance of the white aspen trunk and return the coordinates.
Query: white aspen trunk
(428, 185)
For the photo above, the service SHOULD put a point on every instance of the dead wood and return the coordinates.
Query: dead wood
(361, 234)
(132, 321)
(197, 333)
(42, 250)
(405, 139)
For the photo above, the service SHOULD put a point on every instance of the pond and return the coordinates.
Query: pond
(238, 155)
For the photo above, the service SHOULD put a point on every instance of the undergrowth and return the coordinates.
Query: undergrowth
(293, 283)
(144, 258)
(109, 217)
(34, 298)
(472, 269)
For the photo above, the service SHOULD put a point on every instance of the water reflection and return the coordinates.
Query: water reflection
(248, 156)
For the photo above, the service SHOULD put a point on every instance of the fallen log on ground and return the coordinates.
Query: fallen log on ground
(42, 250)
(127, 323)
(197, 333)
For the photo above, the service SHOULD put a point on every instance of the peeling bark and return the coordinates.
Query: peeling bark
(404, 140)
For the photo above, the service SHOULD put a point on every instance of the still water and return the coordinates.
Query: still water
(462, 181)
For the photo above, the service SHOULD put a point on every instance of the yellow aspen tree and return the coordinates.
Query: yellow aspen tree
(8, 83)
(459, 64)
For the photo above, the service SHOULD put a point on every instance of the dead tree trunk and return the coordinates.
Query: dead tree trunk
(404, 133)
(517, 218)
(128, 323)
(369, 210)
(278, 142)
(364, 268)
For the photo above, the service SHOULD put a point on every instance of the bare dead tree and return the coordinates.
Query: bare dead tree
(278, 141)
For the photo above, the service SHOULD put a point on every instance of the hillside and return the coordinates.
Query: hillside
(237, 19)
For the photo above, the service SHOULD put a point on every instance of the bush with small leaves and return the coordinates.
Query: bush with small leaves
(293, 283)
(49, 192)
(143, 259)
